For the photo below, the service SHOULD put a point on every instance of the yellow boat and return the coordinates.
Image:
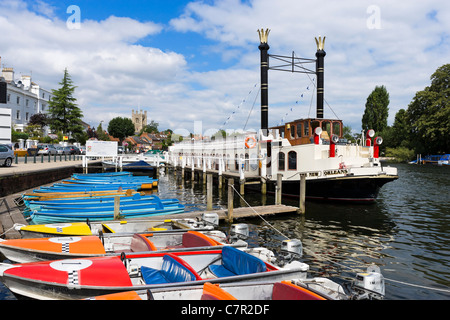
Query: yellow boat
(94, 228)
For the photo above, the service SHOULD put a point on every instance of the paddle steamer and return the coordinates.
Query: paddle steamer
(313, 148)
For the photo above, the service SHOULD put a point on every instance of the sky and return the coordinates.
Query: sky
(194, 65)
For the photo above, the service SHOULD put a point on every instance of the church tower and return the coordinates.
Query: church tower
(139, 120)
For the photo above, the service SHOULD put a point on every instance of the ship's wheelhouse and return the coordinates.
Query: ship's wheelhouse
(301, 131)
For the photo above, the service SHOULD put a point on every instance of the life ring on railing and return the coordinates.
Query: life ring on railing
(253, 144)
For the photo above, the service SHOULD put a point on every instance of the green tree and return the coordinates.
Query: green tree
(121, 128)
(101, 134)
(429, 113)
(65, 116)
(377, 111)
(152, 127)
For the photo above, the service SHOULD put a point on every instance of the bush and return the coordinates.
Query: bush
(401, 154)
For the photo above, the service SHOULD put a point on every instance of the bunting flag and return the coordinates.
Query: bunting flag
(239, 106)
(291, 109)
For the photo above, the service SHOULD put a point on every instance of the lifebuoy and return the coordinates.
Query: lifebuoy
(253, 144)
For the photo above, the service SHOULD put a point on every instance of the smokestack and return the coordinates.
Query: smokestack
(264, 48)
(320, 54)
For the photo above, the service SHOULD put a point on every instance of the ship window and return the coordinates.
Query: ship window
(337, 128)
(292, 160)
(314, 125)
(299, 130)
(281, 161)
(306, 129)
(292, 132)
(326, 126)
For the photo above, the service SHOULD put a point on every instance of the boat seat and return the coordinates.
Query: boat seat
(174, 269)
(196, 239)
(139, 243)
(285, 290)
(237, 262)
(214, 292)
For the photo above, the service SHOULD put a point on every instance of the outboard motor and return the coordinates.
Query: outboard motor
(370, 284)
(210, 219)
(290, 250)
(239, 231)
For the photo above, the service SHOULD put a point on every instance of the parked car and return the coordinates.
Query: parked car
(47, 149)
(74, 150)
(6, 155)
(63, 150)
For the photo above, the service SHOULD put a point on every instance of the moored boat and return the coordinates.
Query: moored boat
(115, 226)
(55, 248)
(309, 150)
(283, 290)
(87, 277)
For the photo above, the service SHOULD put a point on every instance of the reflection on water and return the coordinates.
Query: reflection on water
(406, 233)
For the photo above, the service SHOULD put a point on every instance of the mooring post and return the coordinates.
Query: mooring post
(302, 207)
(209, 192)
(278, 189)
(230, 200)
(116, 207)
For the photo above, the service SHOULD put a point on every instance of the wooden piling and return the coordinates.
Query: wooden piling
(278, 188)
(302, 208)
(116, 207)
(230, 200)
(209, 192)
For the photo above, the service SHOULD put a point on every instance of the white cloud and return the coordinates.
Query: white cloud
(115, 74)
(409, 43)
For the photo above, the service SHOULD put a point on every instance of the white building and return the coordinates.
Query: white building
(24, 97)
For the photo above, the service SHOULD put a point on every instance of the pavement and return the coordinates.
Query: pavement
(22, 167)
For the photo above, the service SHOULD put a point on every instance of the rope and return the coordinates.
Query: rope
(331, 261)
(16, 224)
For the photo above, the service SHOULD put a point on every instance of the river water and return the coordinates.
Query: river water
(406, 232)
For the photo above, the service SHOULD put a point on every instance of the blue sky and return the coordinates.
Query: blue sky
(186, 62)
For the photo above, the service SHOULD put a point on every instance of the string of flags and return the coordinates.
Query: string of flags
(239, 106)
(296, 102)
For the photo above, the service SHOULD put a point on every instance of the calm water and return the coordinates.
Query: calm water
(406, 233)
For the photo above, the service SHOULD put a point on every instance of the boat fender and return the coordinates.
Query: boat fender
(252, 145)
(123, 257)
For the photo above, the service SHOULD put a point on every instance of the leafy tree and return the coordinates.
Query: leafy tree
(65, 116)
(152, 127)
(376, 112)
(101, 134)
(39, 119)
(429, 113)
(121, 128)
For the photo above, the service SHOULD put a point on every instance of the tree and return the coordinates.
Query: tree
(121, 128)
(101, 134)
(152, 127)
(429, 113)
(65, 116)
(376, 112)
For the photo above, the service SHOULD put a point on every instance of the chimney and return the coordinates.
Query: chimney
(320, 54)
(8, 74)
(264, 48)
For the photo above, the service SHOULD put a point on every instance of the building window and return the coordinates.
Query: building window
(18, 115)
(26, 116)
(18, 100)
(27, 102)
(9, 97)
(292, 160)
(281, 161)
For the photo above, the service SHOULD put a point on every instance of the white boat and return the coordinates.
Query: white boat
(88, 277)
(333, 168)
(56, 248)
